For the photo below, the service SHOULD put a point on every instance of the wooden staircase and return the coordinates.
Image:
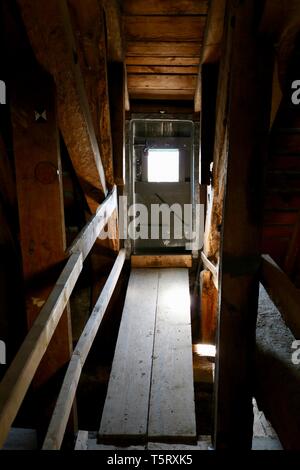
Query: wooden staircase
(282, 200)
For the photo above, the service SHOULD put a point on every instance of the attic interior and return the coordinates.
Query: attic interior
(150, 224)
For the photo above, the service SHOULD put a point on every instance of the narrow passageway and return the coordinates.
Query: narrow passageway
(149, 224)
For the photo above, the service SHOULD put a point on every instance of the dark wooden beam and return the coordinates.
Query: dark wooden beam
(250, 63)
(115, 47)
(209, 85)
(214, 32)
(41, 214)
(50, 33)
(7, 183)
(211, 50)
(209, 304)
(117, 94)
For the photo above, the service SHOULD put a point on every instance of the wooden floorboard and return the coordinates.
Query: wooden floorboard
(172, 405)
(151, 391)
(125, 413)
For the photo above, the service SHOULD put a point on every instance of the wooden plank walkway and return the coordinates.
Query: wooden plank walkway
(151, 392)
(172, 408)
(125, 413)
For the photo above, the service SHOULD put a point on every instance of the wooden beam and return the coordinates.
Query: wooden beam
(216, 190)
(161, 261)
(282, 292)
(208, 307)
(115, 47)
(57, 53)
(7, 184)
(59, 420)
(211, 50)
(40, 202)
(127, 99)
(246, 146)
(209, 87)
(163, 49)
(89, 26)
(117, 95)
(164, 28)
(18, 377)
(167, 7)
(214, 32)
(276, 95)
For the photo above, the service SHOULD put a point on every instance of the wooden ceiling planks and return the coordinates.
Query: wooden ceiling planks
(164, 28)
(160, 69)
(163, 47)
(175, 82)
(165, 7)
(163, 61)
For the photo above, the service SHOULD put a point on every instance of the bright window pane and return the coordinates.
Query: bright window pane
(163, 165)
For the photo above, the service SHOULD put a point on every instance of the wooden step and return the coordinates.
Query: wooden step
(161, 261)
(151, 392)
(278, 217)
(284, 162)
(286, 144)
(280, 200)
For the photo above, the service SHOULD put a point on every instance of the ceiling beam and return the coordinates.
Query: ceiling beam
(167, 7)
(164, 28)
(211, 50)
(115, 47)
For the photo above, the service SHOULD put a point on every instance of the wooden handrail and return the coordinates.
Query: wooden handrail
(60, 416)
(211, 267)
(20, 373)
(18, 377)
(89, 234)
(282, 292)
